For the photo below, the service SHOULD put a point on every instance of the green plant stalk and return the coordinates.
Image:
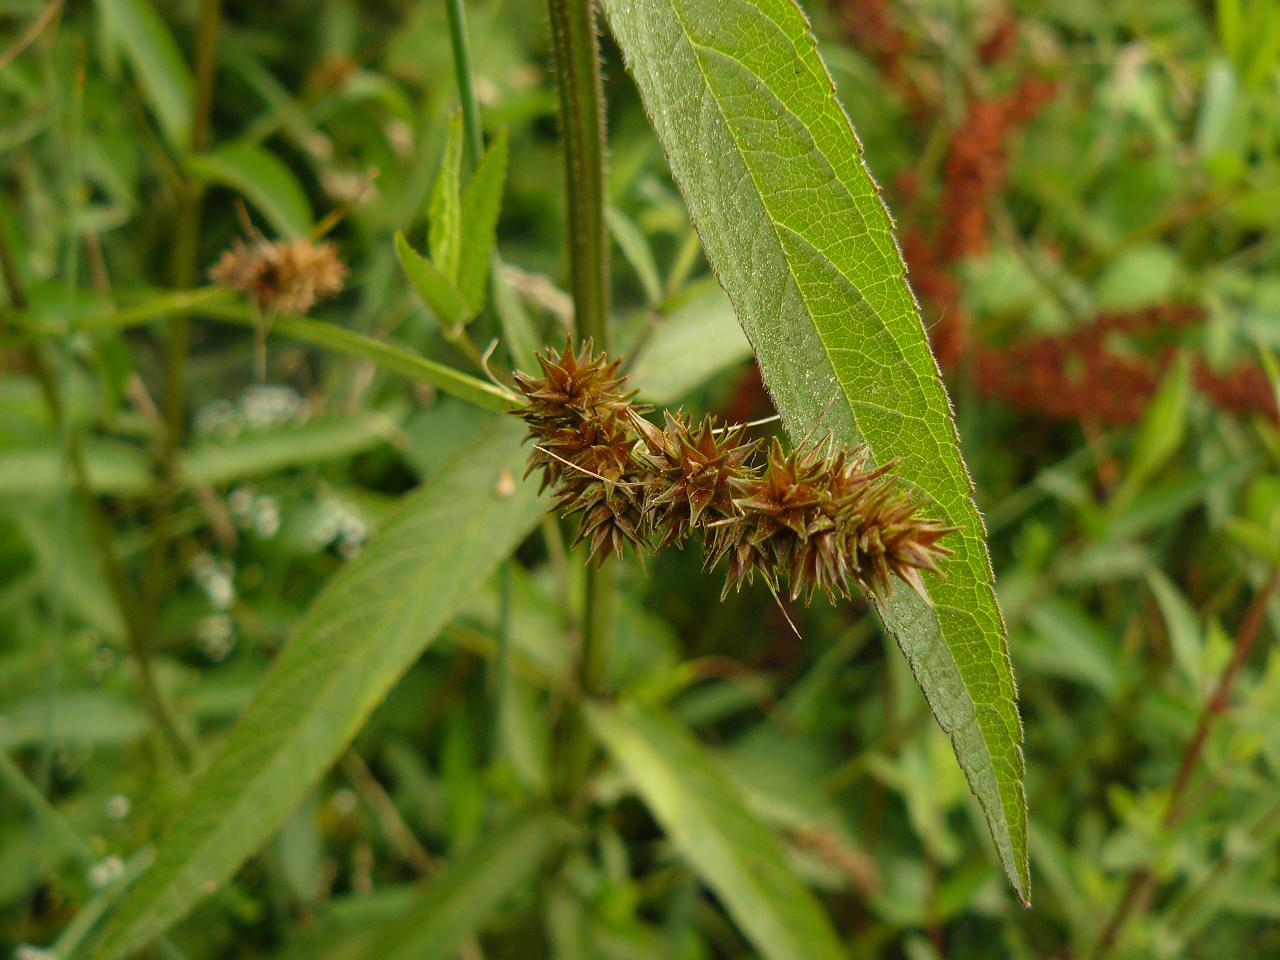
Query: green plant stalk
(461, 42)
(216, 303)
(117, 581)
(580, 88)
(577, 66)
(186, 254)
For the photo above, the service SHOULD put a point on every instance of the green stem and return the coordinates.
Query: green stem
(1142, 884)
(461, 41)
(186, 257)
(577, 63)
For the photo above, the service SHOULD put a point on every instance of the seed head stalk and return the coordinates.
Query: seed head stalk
(582, 125)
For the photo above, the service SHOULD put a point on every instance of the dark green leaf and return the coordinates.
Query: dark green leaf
(363, 631)
(708, 821)
(263, 179)
(457, 903)
(445, 215)
(164, 76)
(434, 288)
(795, 230)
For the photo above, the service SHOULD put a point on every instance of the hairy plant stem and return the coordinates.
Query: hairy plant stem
(1142, 884)
(117, 581)
(581, 93)
(186, 253)
(577, 65)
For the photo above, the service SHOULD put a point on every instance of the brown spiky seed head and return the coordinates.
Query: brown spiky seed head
(576, 387)
(823, 522)
(602, 487)
(282, 276)
(688, 474)
(578, 414)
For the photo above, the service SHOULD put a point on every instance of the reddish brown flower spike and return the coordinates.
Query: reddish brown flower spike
(815, 518)
(578, 414)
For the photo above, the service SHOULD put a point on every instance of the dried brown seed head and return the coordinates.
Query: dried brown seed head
(282, 276)
(688, 472)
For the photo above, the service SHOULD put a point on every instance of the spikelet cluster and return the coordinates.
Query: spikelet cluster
(579, 415)
(810, 519)
(284, 276)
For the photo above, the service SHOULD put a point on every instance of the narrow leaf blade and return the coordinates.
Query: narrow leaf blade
(698, 337)
(445, 227)
(156, 59)
(708, 821)
(481, 204)
(457, 903)
(385, 354)
(358, 637)
(433, 287)
(263, 179)
(795, 230)
(635, 248)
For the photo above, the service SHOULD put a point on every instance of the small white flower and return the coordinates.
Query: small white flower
(118, 806)
(217, 579)
(240, 503)
(264, 405)
(215, 636)
(217, 418)
(266, 516)
(105, 872)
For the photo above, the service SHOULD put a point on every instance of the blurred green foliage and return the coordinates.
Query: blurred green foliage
(1131, 485)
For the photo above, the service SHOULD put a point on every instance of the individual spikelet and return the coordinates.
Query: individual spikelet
(823, 521)
(689, 475)
(578, 414)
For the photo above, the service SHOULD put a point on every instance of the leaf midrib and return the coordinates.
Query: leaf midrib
(775, 226)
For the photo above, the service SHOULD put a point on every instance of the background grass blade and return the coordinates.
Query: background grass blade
(709, 823)
(263, 179)
(458, 902)
(358, 637)
(698, 337)
(794, 227)
(157, 62)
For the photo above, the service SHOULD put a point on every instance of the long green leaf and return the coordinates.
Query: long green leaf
(164, 76)
(708, 821)
(434, 289)
(445, 215)
(794, 227)
(363, 631)
(456, 904)
(262, 178)
(481, 204)
(268, 451)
